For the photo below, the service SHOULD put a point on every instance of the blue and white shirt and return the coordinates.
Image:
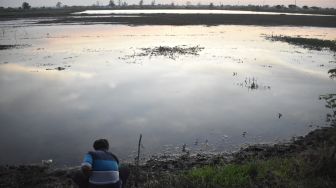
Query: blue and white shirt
(104, 167)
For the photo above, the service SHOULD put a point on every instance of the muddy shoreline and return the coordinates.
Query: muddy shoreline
(154, 168)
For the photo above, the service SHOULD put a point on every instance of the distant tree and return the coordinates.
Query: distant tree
(172, 4)
(141, 3)
(25, 6)
(305, 7)
(315, 8)
(111, 3)
(153, 3)
(119, 3)
(211, 5)
(124, 4)
(58, 5)
(292, 6)
(279, 6)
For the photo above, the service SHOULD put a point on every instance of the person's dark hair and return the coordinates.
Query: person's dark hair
(101, 144)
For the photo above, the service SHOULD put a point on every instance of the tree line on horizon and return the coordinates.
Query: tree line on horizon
(141, 5)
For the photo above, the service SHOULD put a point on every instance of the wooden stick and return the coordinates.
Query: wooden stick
(138, 161)
(139, 145)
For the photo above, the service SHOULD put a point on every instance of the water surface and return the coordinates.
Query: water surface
(204, 101)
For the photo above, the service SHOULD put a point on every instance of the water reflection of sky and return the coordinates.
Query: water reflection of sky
(57, 114)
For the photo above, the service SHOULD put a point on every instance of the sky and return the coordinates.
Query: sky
(39, 3)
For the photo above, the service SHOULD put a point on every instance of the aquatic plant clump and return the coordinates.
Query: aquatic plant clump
(332, 73)
(310, 43)
(331, 104)
(6, 47)
(171, 52)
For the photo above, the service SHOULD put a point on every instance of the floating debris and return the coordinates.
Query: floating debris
(184, 148)
(252, 84)
(267, 66)
(57, 68)
(47, 162)
(60, 68)
(196, 142)
(279, 115)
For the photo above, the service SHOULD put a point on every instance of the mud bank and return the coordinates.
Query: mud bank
(157, 169)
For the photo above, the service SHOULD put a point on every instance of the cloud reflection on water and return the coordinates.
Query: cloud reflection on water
(57, 114)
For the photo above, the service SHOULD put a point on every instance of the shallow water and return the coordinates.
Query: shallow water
(204, 101)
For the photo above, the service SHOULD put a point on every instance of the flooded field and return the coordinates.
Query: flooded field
(212, 89)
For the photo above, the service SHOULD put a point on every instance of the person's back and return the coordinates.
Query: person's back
(104, 167)
(101, 166)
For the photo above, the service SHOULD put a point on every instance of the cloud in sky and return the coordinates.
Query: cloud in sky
(39, 3)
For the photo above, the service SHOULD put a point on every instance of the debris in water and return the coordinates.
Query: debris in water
(252, 84)
(184, 148)
(60, 68)
(47, 162)
(57, 68)
(279, 115)
(196, 142)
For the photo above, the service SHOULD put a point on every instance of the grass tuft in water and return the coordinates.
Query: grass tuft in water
(310, 43)
(171, 52)
(332, 73)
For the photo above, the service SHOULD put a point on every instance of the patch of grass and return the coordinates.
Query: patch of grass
(331, 104)
(310, 43)
(167, 51)
(274, 172)
(6, 47)
(313, 169)
(171, 52)
(332, 73)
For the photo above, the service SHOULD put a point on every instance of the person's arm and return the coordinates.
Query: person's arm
(87, 164)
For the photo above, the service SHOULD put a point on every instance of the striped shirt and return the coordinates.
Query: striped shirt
(104, 167)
